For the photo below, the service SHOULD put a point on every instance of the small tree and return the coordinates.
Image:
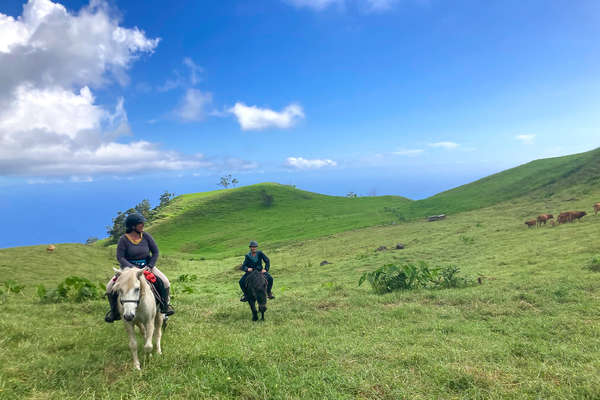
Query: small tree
(351, 195)
(144, 208)
(227, 181)
(165, 199)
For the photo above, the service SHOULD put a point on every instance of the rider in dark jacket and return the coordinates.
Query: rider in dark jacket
(253, 260)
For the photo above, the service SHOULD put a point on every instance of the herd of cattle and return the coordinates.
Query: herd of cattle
(568, 216)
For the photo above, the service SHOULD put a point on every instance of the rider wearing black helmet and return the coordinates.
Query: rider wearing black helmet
(253, 260)
(137, 249)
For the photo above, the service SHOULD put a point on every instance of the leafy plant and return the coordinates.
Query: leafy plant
(393, 277)
(12, 286)
(187, 278)
(73, 288)
(594, 264)
(467, 239)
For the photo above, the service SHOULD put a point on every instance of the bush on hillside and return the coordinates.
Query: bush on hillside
(594, 264)
(393, 277)
(73, 289)
(267, 199)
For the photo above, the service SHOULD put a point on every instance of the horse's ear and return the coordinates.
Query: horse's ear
(117, 271)
(140, 273)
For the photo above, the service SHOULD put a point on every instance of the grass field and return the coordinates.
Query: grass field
(530, 330)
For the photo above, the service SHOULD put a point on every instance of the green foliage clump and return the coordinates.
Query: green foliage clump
(10, 287)
(467, 239)
(393, 277)
(594, 264)
(72, 289)
(183, 284)
(13, 287)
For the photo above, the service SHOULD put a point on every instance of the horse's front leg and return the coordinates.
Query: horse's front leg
(253, 308)
(132, 344)
(158, 322)
(148, 334)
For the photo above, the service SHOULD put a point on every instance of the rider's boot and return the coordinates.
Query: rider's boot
(243, 298)
(270, 295)
(113, 314)
(165, 306)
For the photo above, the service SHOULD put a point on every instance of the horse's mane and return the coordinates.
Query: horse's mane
(127, 279)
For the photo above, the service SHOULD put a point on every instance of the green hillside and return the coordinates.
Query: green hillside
(540, 178)
(221, 223)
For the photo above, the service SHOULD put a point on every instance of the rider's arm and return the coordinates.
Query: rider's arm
(153, 249)
(121, 251)
(246, 264)
(266, 260)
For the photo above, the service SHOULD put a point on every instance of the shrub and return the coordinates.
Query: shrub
(11, 286)
(467, 239)
(393, 277)
(73, 288)
(267, 199)
(594, 264)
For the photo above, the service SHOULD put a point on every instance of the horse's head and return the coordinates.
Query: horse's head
(130, 287)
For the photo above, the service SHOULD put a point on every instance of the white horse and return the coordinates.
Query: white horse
(138, 308)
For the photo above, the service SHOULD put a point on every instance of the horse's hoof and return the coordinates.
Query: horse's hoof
(137, 367)
(148, 349)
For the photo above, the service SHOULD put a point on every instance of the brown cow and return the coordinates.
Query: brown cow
(50, 248)
(564, 217)
(531, 223)
(543, 218)
(577, 215)
(596, 208)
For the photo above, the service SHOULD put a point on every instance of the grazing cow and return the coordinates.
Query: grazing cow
(577, 215)
(596, 208)
(564, 217)
(50, 248)
(543, 218)
(531, 223)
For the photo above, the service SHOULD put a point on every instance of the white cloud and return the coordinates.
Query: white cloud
(526, 139)
(302, 163)
(180, 80)
(51, 60)
(254, 118)
(408, 152)
(193, 105)
(314, 4)
(319, 5)
(445, 145)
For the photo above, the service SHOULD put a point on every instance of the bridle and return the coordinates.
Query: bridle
(130, 301)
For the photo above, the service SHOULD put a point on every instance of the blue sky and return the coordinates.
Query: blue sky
(104, 104)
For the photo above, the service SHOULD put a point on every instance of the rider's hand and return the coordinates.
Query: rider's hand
(249, 269)
(263, 271)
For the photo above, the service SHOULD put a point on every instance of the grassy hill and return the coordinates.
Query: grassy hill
(220, 223)
(529, 331)
(539, 179)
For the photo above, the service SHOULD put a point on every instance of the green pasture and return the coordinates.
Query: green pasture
(529, 330)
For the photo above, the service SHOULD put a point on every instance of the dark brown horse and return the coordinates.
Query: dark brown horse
(256, 292)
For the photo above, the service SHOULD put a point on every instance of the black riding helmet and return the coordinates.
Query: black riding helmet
(133, 220)
(253, 243)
